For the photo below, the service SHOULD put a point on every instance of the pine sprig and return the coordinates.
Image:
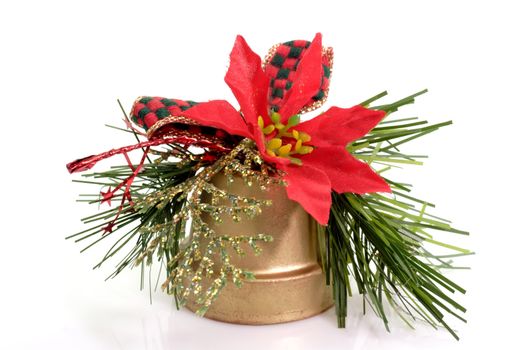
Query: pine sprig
(167, 221)
(155, 177)
(380, 241)
(202, 266)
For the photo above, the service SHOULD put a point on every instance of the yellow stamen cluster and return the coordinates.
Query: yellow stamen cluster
(282, 141)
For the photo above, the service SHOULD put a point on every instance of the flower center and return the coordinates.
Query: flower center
(282, 140)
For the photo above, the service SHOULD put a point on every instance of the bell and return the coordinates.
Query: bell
(289, 283)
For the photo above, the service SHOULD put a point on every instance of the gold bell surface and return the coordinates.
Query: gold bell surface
(289, 284)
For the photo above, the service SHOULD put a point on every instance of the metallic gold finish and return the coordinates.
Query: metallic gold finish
(289, 284)
(168, 120)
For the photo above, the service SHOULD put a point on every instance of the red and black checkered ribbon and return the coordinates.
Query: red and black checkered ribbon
(151, 113)
(149, 110)
(282, 67)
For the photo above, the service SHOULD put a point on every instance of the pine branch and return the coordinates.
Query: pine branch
(380, 241)
(167, 199)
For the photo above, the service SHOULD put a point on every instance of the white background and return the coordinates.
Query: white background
(64, 64)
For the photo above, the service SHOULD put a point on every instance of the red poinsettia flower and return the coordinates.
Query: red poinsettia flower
(312, 154)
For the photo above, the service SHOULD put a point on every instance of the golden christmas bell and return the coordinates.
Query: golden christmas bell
(289, 284)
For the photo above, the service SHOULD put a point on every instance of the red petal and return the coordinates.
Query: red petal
(247, 81)
(218, 114)
(307, 81)
(339, 126)
(346, 173)
(310, 187)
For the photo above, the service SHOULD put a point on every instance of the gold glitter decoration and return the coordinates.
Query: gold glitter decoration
(204, 256)
(168, 120)
(288, 267)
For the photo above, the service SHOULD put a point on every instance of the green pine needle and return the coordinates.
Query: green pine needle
(380, 240)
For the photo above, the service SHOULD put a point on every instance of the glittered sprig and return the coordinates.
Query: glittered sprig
(172, 197)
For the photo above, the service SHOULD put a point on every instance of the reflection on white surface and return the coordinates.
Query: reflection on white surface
(111, 316)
